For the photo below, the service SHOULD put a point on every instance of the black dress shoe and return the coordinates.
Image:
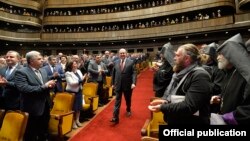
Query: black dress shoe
(128, 114)
(115, 120)
(100, 105)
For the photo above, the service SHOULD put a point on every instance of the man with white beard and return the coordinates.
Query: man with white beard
(235, 96)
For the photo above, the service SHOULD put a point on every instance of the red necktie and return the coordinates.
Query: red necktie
(122, 65)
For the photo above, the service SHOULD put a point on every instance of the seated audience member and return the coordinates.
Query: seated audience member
(193, 84)
(235, 97)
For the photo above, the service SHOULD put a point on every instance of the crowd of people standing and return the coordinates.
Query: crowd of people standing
(214, 79)
(26, 83)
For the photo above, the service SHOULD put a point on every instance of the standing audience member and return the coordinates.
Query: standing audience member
(123, 81)
(45, 60)
(163, 73)
(10, 93)
(84, 63)
(74, 80)
(97, 73)
(217, 75)
(23, 62)
(2, 65)
(58, 58)
(2, 62)
(55, 72)
(34, 85)
(63, 62)
(76, 59)
(107, 60)
(235, 96)
(191, 82)
(248, 45)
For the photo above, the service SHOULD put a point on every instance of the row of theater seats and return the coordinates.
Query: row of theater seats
(90, 93)
(61, 115)
(13, 125)
(150, 129)
(61, 119)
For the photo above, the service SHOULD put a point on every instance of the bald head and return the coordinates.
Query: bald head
(122, 53)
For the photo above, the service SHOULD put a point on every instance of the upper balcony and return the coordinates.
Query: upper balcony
(85, 3)
(176, 8)
(244, 4)
(20, 19)
(17, 36)
(209, 25)
(24, 4)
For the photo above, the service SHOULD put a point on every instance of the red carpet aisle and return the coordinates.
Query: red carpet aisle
(100, 129)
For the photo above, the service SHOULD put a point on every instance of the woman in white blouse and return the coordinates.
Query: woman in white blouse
(74, 80)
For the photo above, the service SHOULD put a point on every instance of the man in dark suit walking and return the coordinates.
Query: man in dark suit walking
(10, 93)
(123, 81)
(34, 85)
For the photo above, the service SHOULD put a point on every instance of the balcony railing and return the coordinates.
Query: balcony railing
(15, 36)
(244, 4)
(24, 3)
(85, 3)
(165, 10)
(20, 19)
(182, 28)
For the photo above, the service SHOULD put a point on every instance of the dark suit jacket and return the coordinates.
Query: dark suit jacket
(34, 95)
(58, 68)
(109, 64)
(162, 78)
(10, 93)
(197, 91)
(124, 79)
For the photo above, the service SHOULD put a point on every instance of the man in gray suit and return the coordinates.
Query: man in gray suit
(10, 93)
(123, 81)
(34, 85)
(97, 71)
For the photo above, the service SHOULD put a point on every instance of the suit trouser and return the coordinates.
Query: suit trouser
(100, 92)
(118, 100)
(2, 106)
(37, 126)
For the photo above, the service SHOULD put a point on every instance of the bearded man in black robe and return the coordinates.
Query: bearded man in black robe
(235, 96)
